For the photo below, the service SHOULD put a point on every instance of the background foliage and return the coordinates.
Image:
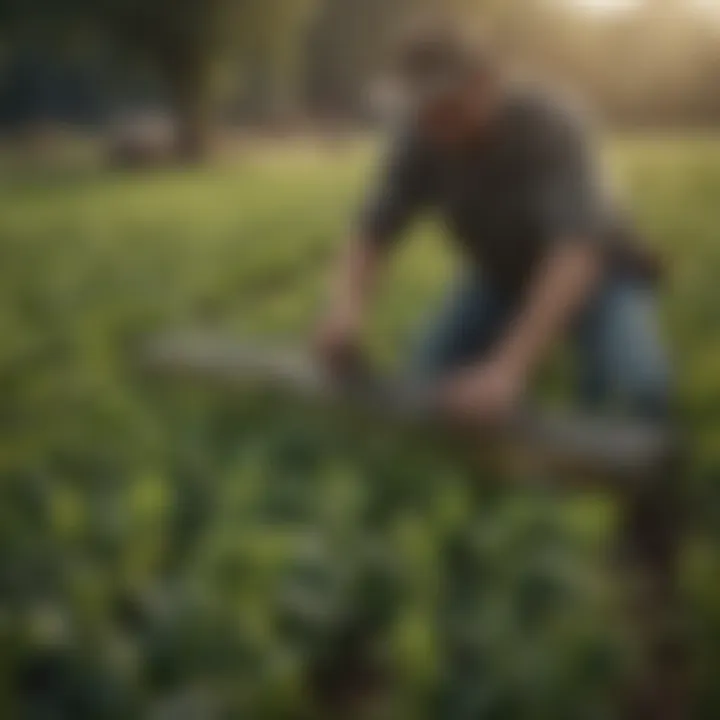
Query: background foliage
(299, 61)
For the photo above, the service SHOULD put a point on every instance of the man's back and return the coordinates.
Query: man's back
(528, 181)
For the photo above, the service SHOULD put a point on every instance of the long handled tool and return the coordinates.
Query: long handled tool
(610, 447)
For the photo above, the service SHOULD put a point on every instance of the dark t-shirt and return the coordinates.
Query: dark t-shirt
(529, 183)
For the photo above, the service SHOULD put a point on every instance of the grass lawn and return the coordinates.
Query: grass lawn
(141, 546)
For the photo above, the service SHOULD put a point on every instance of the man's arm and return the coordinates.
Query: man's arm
(492, 391)
(575, 215)
(351, 285)
(560, 289)
(395, 199)
(571, 196)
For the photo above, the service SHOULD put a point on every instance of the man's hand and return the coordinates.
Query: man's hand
(337, 345)
(487, 395)
(337, 341)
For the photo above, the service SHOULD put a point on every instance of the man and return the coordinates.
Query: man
(546, 254)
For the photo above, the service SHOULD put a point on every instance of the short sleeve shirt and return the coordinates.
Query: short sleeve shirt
(533, 181)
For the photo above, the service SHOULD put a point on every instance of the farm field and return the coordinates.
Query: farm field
(169, 549)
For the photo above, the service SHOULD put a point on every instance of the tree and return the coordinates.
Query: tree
(183, 44)
(187, 42)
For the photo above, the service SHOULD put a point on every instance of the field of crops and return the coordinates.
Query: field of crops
(171, 552)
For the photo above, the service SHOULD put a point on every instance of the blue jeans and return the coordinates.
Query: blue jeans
(616, 341)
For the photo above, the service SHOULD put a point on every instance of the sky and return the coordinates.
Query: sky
(712, 7)
(605, 5)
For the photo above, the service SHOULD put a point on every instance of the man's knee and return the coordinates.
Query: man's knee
(627, 358)
(647, 392)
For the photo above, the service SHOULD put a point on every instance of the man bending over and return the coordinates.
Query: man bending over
(546, 254)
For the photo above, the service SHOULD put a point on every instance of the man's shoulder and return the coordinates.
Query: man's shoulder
(545, 111)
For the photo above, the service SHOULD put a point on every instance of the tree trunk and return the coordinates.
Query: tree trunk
(194, 131)
(189, 85)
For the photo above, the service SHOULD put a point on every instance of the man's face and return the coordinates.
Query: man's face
(459, 115)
